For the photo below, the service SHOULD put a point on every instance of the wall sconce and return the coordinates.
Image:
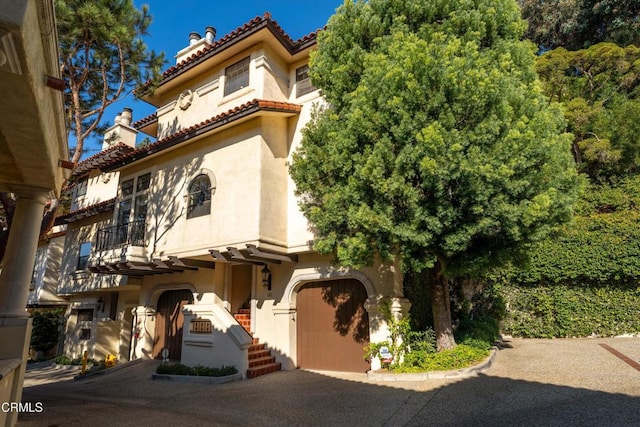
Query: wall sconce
(100, 304)
(266, 277)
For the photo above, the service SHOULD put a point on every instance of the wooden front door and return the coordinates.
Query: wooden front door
(169, 322)
(332, 326)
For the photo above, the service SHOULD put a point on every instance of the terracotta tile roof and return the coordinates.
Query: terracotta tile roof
(256, 24)
(145, 121)
(201, 128)
(87, 212)
(101, 158)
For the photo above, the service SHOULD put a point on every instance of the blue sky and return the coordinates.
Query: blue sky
(174, 20)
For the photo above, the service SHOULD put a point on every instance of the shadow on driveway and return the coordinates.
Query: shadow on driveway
(550, 382)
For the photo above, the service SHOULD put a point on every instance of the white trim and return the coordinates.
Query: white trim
(156, 291)
(289, 295)
(208, 87)
(166, 108)
(276, 71)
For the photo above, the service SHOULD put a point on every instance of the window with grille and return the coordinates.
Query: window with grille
(132, 212)
(303, 81)
(81, 187)
(199, 197)
(236, 76)
(79, 192)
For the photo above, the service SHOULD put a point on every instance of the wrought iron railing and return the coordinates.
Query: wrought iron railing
(128, 234)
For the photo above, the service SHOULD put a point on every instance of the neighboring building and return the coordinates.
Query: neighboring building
(46, 271)
(193, 247)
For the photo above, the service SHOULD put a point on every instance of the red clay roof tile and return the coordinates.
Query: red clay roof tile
(87, 212)
(213, 122)
(255, 23)
(104, 156)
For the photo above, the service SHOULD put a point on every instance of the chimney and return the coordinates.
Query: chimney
(209, 34)
(126, 116)
(121, 131)
(193, 38)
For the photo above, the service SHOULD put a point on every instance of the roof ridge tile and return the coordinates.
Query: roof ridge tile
(267, 17)
(254, 103)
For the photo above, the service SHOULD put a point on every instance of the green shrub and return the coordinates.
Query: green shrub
(208, 371)
(63, 360)
(476, 343)
(403, 340)
(66, 360)
(415, 351)
(44, 333)
(480, 333)
(460, 357)
(202, 371)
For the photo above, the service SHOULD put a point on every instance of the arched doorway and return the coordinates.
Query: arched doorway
(170, 321)
(332, 325)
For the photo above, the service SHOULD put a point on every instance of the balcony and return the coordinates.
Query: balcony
(121, 235)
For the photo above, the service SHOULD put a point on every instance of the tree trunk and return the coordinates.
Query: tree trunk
(441, 308)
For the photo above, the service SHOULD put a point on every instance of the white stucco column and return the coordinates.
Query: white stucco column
(144, 327)
(378, 324)
(285, 335)
(17, 266)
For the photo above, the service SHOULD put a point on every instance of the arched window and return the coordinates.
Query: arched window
(199, 197)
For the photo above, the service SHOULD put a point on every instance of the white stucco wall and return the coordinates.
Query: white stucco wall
(47, 272)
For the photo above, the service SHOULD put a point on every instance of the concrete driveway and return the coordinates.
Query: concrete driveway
(580, 382)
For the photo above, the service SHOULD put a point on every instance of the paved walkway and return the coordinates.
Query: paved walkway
(531, 382)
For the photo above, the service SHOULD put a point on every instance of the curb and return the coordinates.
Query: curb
(65, 367)
(197, 379)
(115, 368)
(472, 371)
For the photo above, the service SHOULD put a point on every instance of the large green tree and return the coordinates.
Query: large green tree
(436, 148)
(577, 24)
(102, 58)
(600, 90)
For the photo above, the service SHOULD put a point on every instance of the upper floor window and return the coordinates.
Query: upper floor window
(303, 82)
(143, 182)
(83, 258)
(236, 76)
(132, 210)
(81, 187)
(137, 199)
(199, 197)
(79, 192)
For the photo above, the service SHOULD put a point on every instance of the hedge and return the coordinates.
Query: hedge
(570, 311)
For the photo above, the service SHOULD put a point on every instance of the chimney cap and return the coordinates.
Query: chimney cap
(194, 37)
(209, 34)
(126, 116)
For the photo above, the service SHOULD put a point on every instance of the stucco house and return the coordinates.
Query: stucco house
(192, 247)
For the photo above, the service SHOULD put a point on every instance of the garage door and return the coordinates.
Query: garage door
(170, 322)
(332, 326)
